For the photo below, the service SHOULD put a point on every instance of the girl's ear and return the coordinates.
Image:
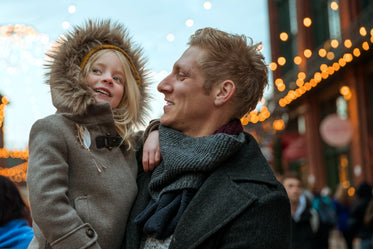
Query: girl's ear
(224, 92)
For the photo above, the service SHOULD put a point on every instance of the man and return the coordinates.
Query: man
(305, 221)
(213, 188)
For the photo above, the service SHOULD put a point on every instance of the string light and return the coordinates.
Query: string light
(307, 53)
(307, 22)
(322, 52)
(254, 117)
(273, 66)
(363, 31)
(325, 71)
(281, 61)
(284, 36)
(334, 5)
(348, 43)
(297, 60)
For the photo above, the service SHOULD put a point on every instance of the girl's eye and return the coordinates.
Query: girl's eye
(95, 70)
(118, 79)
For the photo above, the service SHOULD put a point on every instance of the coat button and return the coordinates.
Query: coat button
(90, 233)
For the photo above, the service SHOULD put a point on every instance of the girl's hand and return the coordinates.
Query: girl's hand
(151, 155)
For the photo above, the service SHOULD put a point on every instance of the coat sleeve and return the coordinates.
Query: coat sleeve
(263, 225)
(47, 180)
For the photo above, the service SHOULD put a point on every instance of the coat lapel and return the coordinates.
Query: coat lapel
(204, 216)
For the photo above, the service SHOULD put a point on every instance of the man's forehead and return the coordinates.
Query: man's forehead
(189, 59)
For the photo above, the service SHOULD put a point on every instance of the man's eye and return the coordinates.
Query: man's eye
(181, 76)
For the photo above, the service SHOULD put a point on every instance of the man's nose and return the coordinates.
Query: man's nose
(165, 85)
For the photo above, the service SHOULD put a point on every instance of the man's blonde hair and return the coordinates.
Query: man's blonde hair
(232, 57)
(128, 109)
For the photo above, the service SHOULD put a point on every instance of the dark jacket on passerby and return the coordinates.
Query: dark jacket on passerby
(356, 219)
(304, 226)
(239, 205)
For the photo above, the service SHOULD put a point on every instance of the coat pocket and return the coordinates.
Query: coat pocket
(82, 207)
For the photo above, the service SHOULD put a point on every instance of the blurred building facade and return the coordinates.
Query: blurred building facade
(322, 65)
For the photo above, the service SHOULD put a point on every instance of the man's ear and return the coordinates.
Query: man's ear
(224, 92)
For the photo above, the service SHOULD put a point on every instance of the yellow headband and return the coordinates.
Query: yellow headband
(105, 46)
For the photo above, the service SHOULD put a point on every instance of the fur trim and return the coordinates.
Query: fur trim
(69, 91)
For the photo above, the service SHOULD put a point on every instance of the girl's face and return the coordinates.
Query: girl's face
(107, 78)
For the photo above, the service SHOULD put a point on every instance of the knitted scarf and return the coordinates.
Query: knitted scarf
(187, 162)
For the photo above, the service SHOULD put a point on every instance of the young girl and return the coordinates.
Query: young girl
(82, 165)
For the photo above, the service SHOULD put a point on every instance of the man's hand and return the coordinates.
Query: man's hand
(151, 155)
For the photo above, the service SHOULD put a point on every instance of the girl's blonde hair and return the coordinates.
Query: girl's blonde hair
(126, 114)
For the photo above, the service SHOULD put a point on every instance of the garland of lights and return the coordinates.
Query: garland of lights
(18, 172)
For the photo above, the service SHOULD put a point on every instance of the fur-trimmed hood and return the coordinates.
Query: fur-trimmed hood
(70, 93)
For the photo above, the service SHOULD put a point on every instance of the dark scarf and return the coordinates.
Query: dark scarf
(187, 162)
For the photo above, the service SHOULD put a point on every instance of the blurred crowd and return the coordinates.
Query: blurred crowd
(315, 214)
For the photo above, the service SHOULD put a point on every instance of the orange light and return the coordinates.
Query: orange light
(307, 53)
(317, 77)
(334, 5)
(323, 67)
(347, 57)
(336, 66)
(322, 52)
(284, 36)
(363, 31)
(302, 75)
(4, 100)
(330, 70)
(244, 120)
(365, 46)
(313, 82)
(281, 61)
(297, 60)
(281, 87)
(307, 86)
(278, 124)
(273, 66)
(342, 62)
(279, 82)
(351, 191)
(282, 103)
(344, 90)
(348, 43)
(356, 52)
(334, 43)
(330, 56)
(299, 82)
(307, 22)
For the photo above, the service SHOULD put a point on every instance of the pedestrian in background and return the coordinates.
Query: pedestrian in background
(327, 214)
(343, 202)
(15, 230)
(305, 220)
(356, 220)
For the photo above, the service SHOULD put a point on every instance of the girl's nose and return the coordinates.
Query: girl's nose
(107, 78)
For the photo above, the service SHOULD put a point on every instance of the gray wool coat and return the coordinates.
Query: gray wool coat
(240, 205)
(79, 198)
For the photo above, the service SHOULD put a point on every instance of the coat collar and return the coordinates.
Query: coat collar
(247, 165)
